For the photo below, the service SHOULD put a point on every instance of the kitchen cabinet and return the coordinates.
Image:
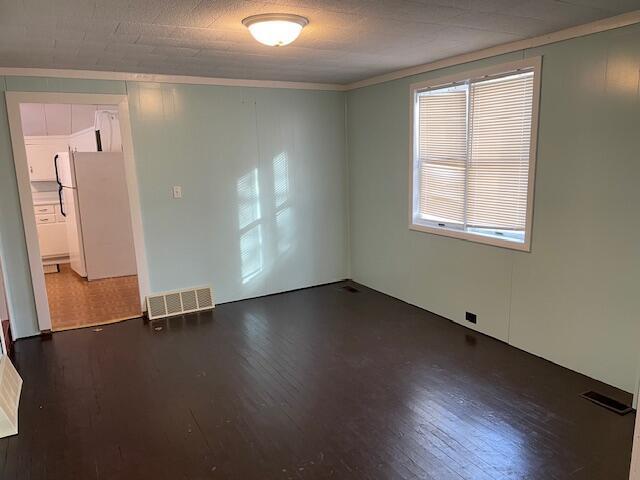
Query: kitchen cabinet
(84, 141)
(53, 240)
(40, 153)
(52, 232)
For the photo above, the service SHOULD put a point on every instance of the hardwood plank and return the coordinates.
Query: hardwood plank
(318, 383)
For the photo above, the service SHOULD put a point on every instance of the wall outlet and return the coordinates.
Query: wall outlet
(471, 317)
(177, 191)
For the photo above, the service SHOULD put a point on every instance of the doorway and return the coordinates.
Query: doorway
(80, 207)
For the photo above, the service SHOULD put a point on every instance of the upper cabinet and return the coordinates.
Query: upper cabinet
(39, 119)
(40, 158)
(52, 128)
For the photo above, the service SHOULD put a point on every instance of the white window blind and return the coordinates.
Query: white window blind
(443, 154)
(498, 168)
(472, 154)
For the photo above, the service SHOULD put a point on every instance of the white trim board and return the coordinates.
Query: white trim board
(4, 310)
(162, 78)
(603, 25)
(14, 99)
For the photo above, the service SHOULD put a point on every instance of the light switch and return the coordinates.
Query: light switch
(177, 191)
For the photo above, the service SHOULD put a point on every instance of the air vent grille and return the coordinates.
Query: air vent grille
(10, 387)
(607, 402)
(205, 299)
(167, 304)
(156, 307)
(189, 302)
(174, 304)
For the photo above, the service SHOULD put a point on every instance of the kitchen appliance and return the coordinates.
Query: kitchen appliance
(92, 191)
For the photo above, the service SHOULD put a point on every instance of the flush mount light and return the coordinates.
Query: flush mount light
(275, 29)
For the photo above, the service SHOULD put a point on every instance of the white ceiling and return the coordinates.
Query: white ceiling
(346, 40)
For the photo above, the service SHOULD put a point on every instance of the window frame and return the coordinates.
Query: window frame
(454, 231)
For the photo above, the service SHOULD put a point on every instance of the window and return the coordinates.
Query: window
(473, 154)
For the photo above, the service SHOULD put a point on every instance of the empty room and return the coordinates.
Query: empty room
(391, 239)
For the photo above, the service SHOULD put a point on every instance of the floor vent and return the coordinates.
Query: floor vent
(168, 304)
(350, 289)
(10, 387)
(607, 402)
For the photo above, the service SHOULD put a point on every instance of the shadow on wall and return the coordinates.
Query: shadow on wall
(250, 218)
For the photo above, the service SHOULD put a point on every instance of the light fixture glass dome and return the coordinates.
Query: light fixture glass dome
(275, 29)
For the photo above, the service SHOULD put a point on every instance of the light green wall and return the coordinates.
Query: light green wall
(208, 138)
(574, 299)
(13, 254)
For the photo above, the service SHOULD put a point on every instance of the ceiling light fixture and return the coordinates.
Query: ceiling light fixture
(275, 29)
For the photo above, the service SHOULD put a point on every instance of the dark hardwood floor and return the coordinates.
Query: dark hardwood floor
(318, 383)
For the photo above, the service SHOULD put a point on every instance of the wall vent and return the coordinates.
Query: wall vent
(10, 387)
(349, 288)
(168, 304)
(607, 402)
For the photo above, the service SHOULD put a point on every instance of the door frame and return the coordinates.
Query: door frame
(5, 304)
(14, 99)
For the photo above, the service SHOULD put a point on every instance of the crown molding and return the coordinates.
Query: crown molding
(579, 31)
(162, 78)
(611, 23)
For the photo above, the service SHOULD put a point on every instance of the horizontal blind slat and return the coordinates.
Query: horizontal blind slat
(442, 149)
(500, 130)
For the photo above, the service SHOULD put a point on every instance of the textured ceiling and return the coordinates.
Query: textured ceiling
(346, 40)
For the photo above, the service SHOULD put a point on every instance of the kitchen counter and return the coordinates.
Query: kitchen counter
(45, 198)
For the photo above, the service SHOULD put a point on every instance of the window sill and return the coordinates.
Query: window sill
(472, 237)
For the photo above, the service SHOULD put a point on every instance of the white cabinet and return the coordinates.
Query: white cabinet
(40, 155)
(52, 232)
(47, 218)
(53, 240)
(84, 141)
(40, 162)
(43, 209)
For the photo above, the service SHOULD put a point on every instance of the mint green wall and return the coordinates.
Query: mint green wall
(574, 299)
(236, 152)
(13, 253)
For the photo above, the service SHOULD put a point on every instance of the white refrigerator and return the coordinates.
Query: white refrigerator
(94, 199)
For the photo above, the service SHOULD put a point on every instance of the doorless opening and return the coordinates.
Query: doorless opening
(78, 191)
